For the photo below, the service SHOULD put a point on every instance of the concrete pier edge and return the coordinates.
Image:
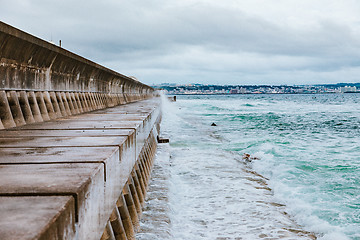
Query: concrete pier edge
(77, 142)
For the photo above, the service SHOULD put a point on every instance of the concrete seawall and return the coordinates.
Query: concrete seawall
(48, 82)
(76, 146)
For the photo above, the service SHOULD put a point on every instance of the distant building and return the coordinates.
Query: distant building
(347, 89)
(242, 90)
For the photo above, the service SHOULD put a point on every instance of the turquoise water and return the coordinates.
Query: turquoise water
(309, 149)
(304, 182)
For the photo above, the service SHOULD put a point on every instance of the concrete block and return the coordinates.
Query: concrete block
(41, 142)
(37, 217)
(55, 104)
(57, 146)
(42, 106)
(75, 103)
(108, 156)
(15, 132)
(84, 124)
(69, 100)
(14, 104)
(113, 140)
(49, 106)
(5, 111)
(108, 117)
(63, 98)
(25, 107)
(85, 182)
(61, 104)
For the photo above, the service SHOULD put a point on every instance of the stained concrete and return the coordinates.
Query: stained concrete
(84, 182)
(23, 142)
(44, 179)
(61, 179)
(28, 62)
(41, 156)
(109, 117)
(84, 124)
(37, 217)
(108, 156)
(46, 172)
(143, 124)
(66, 132)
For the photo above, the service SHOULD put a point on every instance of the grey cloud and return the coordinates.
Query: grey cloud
(158, 39)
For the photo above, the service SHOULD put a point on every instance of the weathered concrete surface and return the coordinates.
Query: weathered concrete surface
(106, 119)
(38, 139)
(66, 176)
(84, 182)
(109, 117)
(23, 142)
(108, 156)
(37, 217)
(84, 124)
(28, 62)
(56, 155)
(48, 159)
(61, 179)
(142, 132)
(66, 132)
(45, 149)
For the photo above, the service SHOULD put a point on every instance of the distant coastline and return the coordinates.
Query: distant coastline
(258, 93)
(201, 89)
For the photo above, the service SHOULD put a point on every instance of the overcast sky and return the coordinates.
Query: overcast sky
(204, 41)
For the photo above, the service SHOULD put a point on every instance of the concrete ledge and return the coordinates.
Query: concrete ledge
(38, 217)
(40, 142)
(85, 183)
(140, 116)
(44, 159)
(66, 132)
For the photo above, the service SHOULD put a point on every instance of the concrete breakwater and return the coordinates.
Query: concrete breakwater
(76, 146)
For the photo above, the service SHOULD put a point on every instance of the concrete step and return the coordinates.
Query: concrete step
(77, 157)
(37, 217)
(83, 182)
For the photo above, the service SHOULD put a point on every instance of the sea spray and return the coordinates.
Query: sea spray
(304, 181)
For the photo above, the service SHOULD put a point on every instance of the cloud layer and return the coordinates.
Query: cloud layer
(216, 42)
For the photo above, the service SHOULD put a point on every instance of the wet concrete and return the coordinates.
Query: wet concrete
(23, 142)
(78, 158)
(62, 174)
(85, 183)
(37, 217)
(67, 132)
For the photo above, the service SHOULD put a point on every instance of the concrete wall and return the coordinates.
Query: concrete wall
(40, 81)
(30, 63)
(76, 147)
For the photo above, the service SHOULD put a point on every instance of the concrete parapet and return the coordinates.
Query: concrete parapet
(18, 108)
(63, 82)
(30, 63)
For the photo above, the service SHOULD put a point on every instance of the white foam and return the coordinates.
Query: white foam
(212, 194)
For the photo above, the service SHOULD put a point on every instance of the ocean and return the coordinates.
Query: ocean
(300, 179)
